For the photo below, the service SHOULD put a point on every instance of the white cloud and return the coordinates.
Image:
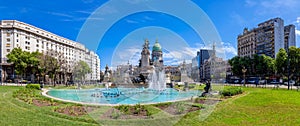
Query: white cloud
(297, 32)
(297, 21)
(250, 3)
(84, 12)
(148, 18)
(128, 53)
(60, 14)
(24, 10)
(131, 21)
(278, 7)
(238, 18)
(275, 4)
(87, 1)
(107, 10)
(229, 48)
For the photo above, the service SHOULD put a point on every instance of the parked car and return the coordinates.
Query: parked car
(292, 82)
(262, 81)
(236, 81)
(242, 82)
(274, 82)
(251, 82)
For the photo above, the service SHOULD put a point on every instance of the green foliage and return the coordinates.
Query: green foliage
(23, 60)
(33, 86)
(163, 104)
(115, 114)
(123, 108)
(231, 91)
(80, 70)
(136, 109)
(180, 107)
(256, 65)
(281, 61)
(26, 94)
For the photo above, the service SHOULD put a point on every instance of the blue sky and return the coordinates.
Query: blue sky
(124, 39)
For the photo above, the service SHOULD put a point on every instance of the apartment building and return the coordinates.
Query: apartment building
(29, 38)
(289, 36)
(267, 38)
(247, 43)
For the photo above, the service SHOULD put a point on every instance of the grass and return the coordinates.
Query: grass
(255, 106)
(18, 113)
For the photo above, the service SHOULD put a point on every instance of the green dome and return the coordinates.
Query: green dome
(156, 47)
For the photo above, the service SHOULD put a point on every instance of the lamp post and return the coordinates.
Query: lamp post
(244, 70)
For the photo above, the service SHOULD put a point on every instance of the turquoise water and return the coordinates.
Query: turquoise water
(122, 95)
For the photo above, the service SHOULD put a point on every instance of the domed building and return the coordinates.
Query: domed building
(157, 58)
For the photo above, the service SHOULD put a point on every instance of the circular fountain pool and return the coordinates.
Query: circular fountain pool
(117, 96)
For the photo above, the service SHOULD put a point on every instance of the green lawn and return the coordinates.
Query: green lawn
(256, 106)
(17, 113)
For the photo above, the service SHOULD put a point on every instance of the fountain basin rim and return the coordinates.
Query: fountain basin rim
(45, 93)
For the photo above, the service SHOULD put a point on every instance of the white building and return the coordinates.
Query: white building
(29, 38)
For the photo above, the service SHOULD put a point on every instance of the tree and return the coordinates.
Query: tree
(294, 60)
(48, 65)
(80, 70)
(281, 62)
(270, 65)
(236, 65)
(257, 65)
(24, 62)
(18, 58)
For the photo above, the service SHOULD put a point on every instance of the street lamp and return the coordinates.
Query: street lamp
(244, 70)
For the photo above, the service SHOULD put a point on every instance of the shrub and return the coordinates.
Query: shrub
(123, 108)
(231, 91)
(115, 114)
(33, 86)
(180, 107)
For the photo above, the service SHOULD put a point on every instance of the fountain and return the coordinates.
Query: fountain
(124, 92)
(157, 79)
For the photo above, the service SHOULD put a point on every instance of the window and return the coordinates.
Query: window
(27, 47)
(8, 34)
(8, 39)
(37, 45)
(17, 40)
(7, 44)
(8, 50)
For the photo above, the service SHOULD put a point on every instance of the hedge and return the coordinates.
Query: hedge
(231, 91)
(33, 86)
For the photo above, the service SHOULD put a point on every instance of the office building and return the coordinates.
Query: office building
(14, 34)
(267, 38)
